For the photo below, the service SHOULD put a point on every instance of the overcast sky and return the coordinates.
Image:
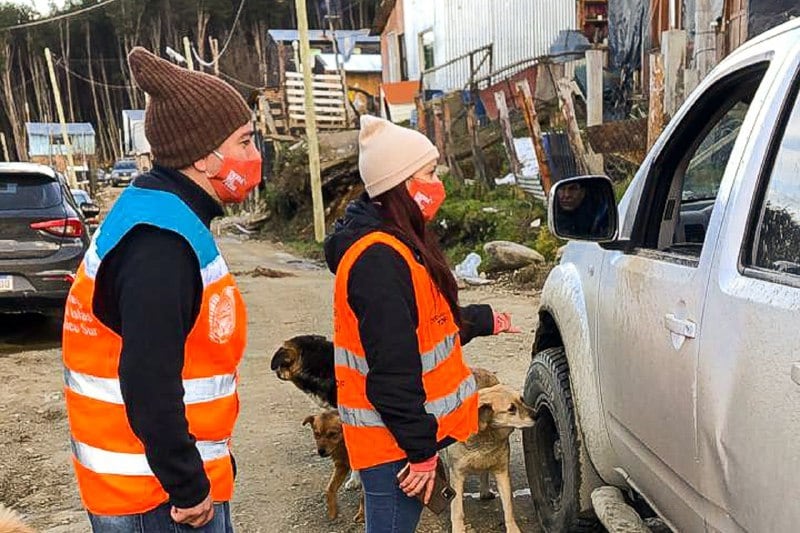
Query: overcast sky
(42, 6)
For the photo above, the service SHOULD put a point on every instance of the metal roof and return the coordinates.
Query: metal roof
(356, 62)
(49, 129)
(347, 39)
(323, 35)
(26, 168)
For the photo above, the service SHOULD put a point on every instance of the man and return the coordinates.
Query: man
(576, 213)
(155, 326)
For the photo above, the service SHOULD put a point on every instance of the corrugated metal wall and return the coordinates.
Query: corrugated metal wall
(519, 29)
(42, 145)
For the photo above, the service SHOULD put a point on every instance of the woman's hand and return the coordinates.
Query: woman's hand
(502, 324)
(420, 479)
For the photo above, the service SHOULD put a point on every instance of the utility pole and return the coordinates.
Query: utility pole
(60, 109)
(311, 122)
(339, 58)
(214, 45)
(187, 52)
(5, 146)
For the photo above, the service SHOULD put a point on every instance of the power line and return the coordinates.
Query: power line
(239, 82)
(58, 17)
(227, 41)
(61, 64)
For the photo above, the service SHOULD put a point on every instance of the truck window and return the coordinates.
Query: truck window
(776, 240)
(687, 174)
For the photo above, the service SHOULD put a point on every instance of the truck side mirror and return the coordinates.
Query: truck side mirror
(583, 209)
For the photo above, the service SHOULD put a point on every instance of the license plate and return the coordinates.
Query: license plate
(6, 283)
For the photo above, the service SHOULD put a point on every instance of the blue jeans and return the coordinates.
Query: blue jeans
(387, 508)
(159, 521)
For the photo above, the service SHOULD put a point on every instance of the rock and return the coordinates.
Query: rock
(505, 255)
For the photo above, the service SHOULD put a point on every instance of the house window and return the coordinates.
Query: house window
(426, 41)
(401, 47)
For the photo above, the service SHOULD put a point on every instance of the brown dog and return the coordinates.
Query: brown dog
(500, 411)
(328, 435)
(11, 521)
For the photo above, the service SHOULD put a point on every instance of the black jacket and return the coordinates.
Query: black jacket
(381, 294)
(149, 291)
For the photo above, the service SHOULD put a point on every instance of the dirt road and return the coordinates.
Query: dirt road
(281, 478)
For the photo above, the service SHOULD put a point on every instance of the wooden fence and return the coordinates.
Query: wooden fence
(329, 101)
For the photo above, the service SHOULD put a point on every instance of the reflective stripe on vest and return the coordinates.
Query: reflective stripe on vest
(135, 464)
(198, 390)
(439, 408)
(430, 359)
(210, 273)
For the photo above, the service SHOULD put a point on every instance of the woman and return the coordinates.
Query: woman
(404, 391)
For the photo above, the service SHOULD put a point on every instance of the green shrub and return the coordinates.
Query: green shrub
(472, 215)
(547, 244)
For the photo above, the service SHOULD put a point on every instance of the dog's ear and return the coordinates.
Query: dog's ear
(309, 420)
(485, 414)
(277, 359)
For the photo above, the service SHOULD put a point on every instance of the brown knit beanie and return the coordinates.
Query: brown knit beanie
(390, 154)
(190, 114)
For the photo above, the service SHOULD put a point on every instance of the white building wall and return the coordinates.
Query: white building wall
(519, 29)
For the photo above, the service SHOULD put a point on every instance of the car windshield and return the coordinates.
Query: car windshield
(81, 197)
(28, 192)
(125, 165)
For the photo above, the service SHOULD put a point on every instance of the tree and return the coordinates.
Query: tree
(92, 49)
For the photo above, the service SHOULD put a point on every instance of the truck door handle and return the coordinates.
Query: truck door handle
(680, 326)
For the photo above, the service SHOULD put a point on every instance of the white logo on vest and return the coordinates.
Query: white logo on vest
(222, 316)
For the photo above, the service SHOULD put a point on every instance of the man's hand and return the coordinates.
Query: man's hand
(197, 516)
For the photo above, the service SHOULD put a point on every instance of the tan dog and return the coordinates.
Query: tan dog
(11, 521)
(500, 411)
(328, 435)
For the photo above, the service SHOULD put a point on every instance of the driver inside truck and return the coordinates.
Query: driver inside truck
(581, 213)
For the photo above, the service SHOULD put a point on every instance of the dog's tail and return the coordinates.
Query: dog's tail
(11, 521)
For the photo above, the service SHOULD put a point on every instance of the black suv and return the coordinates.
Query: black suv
(43, 238)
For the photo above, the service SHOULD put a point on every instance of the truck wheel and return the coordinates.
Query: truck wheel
(552, 448)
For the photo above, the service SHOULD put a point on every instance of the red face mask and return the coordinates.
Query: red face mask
(236, 178)
(429, 196)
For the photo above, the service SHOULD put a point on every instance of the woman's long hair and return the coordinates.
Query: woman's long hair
(403, 218)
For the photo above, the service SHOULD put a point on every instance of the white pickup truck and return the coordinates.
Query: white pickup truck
(667, 355)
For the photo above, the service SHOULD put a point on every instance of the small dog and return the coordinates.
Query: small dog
(328, 435)
(307, 361)
(11, 521)
(500, 411)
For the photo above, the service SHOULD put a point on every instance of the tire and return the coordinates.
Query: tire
(552, 448)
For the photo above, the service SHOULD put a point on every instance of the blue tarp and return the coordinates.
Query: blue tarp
(766, 14)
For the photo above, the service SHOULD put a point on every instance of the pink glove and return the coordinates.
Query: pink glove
(428, 465)
(502, 324)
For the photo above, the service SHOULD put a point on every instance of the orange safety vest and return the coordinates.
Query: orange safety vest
(114, 477)
(450, 388)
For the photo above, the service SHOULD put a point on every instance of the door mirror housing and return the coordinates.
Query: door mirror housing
(583, 209)
(90, 210)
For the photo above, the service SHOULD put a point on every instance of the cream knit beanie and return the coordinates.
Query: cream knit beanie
(390, 154)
